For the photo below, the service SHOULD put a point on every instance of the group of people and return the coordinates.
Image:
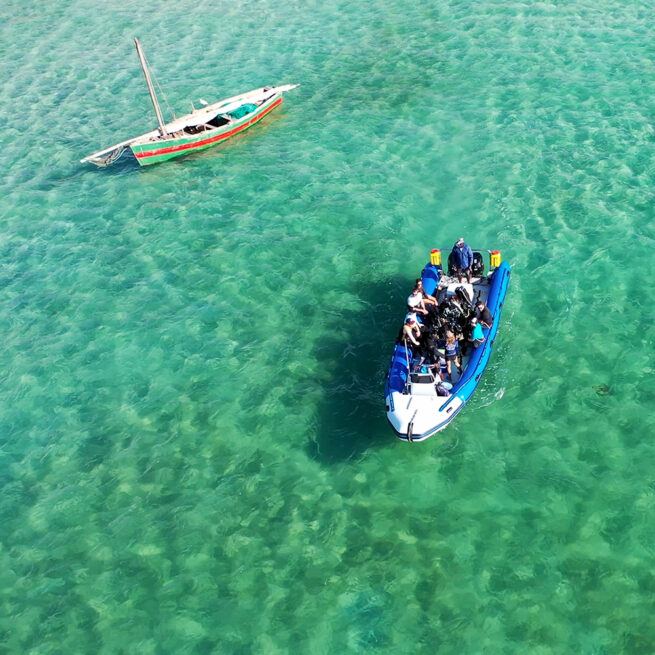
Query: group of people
(448, 326)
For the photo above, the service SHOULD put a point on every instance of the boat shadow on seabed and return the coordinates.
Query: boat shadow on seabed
(354, 362)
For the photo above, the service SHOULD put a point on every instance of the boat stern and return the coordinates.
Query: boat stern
(417, 416)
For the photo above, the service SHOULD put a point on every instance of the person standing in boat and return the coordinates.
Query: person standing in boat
(452, 353)
(461, 259)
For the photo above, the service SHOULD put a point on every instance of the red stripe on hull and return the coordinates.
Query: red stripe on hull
(214, 139)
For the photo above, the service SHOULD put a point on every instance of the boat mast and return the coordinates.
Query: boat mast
(153, 97)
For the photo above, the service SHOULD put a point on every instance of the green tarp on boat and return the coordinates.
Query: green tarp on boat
(242, 111)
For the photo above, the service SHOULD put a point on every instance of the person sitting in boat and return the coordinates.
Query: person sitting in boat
(412, 328)
(429, 302)
(452, 353)
(461, 259)
(427, 298)
(415, 302)
(483, 314)
(477, 337)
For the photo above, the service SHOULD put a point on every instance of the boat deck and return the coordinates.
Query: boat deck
(477, 289)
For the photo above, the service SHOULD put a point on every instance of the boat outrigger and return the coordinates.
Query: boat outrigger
(421, 398)
(200, 129)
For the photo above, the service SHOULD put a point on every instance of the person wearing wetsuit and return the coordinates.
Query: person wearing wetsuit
(483, 314)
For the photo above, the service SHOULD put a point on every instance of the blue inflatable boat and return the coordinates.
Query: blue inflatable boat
(421, 397)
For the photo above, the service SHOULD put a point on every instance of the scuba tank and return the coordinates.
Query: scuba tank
(463, 295)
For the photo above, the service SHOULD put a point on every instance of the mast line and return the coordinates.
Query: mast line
(153, 97)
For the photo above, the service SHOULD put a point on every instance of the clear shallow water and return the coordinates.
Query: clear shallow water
(194, 455)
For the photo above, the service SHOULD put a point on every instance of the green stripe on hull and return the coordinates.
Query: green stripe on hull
(155, 159)
(186, 145)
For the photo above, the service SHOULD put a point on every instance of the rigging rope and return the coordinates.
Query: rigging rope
(160, 90)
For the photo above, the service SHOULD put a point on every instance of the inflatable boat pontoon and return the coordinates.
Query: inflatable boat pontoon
(415, 408)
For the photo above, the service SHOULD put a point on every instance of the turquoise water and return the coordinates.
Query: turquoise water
(194, 456)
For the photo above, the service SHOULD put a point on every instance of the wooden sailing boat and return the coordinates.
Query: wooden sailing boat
(200, 129)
